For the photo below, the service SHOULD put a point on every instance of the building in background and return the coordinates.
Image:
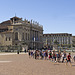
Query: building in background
(21, 32)
(73, 41)
(63, 40)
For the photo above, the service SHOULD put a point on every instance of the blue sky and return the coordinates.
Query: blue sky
(56, 16)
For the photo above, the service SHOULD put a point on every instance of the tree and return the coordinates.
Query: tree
(56, 42)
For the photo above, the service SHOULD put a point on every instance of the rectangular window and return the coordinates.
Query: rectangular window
(6, 38)
(26, 36)
(22, 36)
(16, 36)
(9, 38)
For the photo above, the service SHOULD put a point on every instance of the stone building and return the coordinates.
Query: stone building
(62, 39)
(21, 32)
(73, 41)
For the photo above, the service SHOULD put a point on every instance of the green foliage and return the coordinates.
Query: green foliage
(56, 42)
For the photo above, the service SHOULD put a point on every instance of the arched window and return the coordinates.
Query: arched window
(16, 36)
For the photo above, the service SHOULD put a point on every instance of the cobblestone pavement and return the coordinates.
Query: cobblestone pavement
(21, 64)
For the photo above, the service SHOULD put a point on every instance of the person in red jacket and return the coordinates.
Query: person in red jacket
(68, 59)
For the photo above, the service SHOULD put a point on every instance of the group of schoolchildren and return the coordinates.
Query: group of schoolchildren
(51, 55)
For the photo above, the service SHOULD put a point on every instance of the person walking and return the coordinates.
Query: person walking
(50, 55)
(40, 54)
(29, 53)
(54, 56)
(59, 56)
(64, 57)
(25, 50)
(69, 59)
(17, 51)
(46, 55)
(35, 54)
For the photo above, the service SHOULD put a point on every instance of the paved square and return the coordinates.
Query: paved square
(14, 64)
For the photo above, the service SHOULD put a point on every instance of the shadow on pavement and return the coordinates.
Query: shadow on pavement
(56, 64)
(73, 65)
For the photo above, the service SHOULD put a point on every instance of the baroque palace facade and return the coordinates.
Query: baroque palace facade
(21, 32)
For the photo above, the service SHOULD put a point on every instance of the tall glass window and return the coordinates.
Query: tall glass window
(9, 39)
(6, 38)
(26, 36)
(16, 36)
(22, 36)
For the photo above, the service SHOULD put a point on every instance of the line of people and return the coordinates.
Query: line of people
(51, 55)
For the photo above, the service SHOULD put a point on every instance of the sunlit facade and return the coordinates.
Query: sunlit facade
(21, 32)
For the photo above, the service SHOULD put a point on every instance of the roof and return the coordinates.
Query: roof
(8, 22)
(16, 18)
(3, 27)
(73, 36)
(56, 34)
(7, 32)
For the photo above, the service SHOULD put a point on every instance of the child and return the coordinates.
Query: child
(68, 59)
(50, 55)
(58, 56)
(31, 53)
(54, 56)
(64, 56)
(46, 55)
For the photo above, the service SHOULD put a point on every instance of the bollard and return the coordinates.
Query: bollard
(17, 51)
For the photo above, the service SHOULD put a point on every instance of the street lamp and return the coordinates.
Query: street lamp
(46, 40)
(34, 42)
(46, 43)
(71, 46)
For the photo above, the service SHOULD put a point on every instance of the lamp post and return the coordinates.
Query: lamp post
(34, 43)
(71, 46)
(46, 43)
(60, 46)
(46, 40)
(31, 43)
